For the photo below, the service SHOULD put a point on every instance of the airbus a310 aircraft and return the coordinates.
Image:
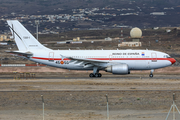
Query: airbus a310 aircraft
(114, 61)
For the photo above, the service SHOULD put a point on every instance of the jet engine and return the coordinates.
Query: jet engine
(118, 69)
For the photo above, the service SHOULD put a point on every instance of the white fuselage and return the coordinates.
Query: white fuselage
(135, 59)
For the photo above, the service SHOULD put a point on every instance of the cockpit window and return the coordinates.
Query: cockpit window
(167, 56)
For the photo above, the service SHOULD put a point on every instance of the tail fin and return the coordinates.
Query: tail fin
(24, 39)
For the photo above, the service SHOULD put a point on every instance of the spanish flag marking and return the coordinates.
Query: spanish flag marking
(143, 54)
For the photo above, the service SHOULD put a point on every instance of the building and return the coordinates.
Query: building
(130, 44)
(76, 39)
(158, 13)
(108, 38)
(3, 37)
(136, 34)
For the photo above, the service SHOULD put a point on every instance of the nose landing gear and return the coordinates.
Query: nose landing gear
(151, 73)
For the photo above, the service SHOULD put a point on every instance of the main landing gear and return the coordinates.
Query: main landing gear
(95, 73)
(151, 73)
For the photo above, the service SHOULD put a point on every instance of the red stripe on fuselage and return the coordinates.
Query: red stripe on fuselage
(40, 58)
(169, 59)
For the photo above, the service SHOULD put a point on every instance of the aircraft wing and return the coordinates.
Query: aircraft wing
(21, 53)
(89, 62)
(86, 60)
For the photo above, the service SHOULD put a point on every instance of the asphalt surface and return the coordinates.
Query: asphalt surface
(105, 77)
(86, 84)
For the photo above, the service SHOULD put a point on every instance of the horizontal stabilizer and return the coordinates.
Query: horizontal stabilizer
(20, 53)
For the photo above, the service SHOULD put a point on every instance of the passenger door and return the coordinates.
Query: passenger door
(153, 57)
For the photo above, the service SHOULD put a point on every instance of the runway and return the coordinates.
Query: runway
(83, 84)
(104, 77)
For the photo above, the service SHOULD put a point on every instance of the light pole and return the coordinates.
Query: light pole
(1, 58)
(37, 23)
(43, 105)
(173, 106)
(107, 107)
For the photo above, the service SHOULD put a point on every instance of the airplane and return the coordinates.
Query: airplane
(118, 62)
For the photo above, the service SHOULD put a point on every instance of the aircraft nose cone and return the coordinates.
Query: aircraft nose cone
(172, 60)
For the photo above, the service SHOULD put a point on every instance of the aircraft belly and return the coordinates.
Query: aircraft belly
(140, 64)
(146, 64)
(137, 64)
(160, 64)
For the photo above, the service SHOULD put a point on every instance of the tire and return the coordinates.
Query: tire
(151, 75)
(99, 75)
(96, 75)
(91, 75)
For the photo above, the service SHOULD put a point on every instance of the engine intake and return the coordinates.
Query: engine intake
(118, 69)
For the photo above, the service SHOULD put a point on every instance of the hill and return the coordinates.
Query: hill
(85, 14)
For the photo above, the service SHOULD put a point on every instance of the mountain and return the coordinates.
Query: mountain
(108, 13)
(51, 6)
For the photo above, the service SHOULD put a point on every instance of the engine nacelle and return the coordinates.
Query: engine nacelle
(118, 69)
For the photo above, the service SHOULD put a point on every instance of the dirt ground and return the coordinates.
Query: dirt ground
(80, 98)
(85, 99)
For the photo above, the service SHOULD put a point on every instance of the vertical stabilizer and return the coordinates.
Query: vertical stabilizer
(24, 39)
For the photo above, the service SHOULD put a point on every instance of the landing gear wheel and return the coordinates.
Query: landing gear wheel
(91, 75)
(151, 75)
(99, 75)
(96, 75)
